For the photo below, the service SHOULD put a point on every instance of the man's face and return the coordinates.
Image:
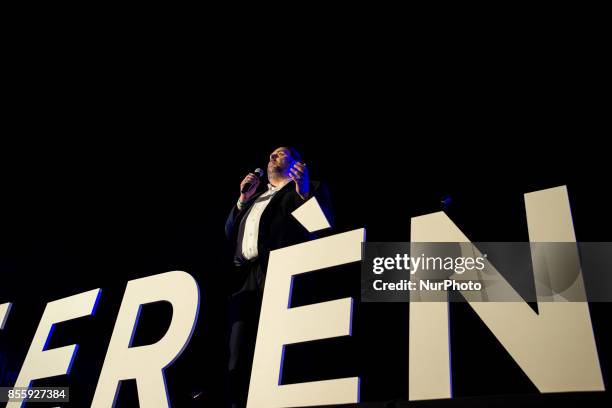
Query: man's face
(280, 161)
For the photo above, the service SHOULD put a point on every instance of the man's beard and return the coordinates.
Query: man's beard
(275, 171)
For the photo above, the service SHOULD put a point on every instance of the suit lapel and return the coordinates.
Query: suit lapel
(276, 198)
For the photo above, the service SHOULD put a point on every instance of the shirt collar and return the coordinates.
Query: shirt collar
(276, 188)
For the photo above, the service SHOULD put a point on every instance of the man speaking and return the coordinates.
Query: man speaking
(259, 223)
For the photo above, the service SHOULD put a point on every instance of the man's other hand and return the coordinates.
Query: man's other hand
(299, 173)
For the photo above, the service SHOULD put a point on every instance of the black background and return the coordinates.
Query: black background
(129, 170)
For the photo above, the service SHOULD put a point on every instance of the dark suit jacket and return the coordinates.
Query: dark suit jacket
(277, 227)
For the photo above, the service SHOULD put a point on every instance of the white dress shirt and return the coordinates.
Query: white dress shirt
(251, 226)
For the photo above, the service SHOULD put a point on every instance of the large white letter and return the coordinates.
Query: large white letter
(147, 363)
(5, 309)
(555, 348)
(42, 363)
(279, 325)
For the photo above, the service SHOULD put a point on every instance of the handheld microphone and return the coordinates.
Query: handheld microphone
(258, 172)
